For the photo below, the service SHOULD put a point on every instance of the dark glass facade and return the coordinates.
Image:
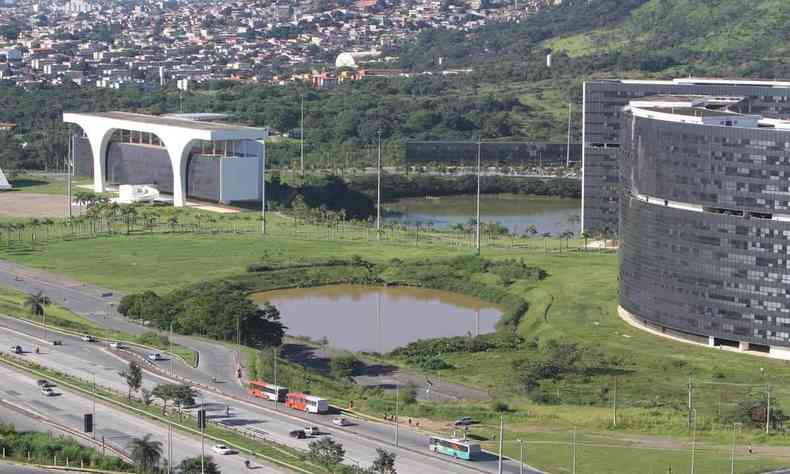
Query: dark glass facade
(710, 254)
(603, 119)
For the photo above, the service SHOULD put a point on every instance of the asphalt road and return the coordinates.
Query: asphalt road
(19, 469)
(89, 360)
(115, 426)
(216, 360)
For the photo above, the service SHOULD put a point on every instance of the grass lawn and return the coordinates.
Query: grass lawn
(44, 184)
(575, 303)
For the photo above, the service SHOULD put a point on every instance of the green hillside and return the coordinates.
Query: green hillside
(732, 37)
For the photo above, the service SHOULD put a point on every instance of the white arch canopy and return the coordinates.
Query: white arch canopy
(178, 135)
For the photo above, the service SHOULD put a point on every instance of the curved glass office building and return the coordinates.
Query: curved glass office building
(705, 222)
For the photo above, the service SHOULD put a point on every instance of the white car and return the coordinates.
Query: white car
(47, 392)
(340, 421)
(154, 356)
(222, 449)
(312, 431)
(88, 338)
(117, 345)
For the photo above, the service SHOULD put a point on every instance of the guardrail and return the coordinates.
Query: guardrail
(10, 360)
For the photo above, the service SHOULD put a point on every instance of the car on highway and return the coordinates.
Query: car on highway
(298, 434)
(222, 449)
(312, 431)
(340, 421)
(88, 338)
(16, 349)
(47, 392)
(464, 421)
(117, 345)
(154, 356)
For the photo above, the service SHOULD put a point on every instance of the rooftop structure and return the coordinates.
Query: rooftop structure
(179, 136)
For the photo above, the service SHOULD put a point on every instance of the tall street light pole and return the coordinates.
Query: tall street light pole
(70, 162)
(301, 136)
(693, 438)
(378, 191)
(277, 390)
(521, 456)
(397, 400)
(501, 441)
(263, 187)
(477, 213)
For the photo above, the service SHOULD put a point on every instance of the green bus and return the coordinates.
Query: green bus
(457, 448)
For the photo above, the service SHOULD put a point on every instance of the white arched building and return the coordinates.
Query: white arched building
(239, 148)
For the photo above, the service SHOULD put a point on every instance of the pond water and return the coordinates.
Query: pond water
(379, 319)
(514, 211)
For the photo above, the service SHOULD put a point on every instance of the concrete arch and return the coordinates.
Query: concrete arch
(178, 136)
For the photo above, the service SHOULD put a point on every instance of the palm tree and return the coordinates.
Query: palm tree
(35, 303)
(546, 236)
(586, 236)
(145, 453)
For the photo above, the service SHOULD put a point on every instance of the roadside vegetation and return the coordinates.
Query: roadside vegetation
(42, 448)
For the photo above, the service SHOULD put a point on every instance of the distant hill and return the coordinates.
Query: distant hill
(670, 37)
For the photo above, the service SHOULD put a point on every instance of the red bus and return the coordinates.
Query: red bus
(267, 391)
(306, 403)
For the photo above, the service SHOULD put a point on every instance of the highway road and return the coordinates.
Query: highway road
(115, 426)
(216, 360)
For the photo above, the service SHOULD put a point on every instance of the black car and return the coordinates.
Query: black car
(298, 434)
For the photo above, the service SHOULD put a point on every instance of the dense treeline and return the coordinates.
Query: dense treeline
(396, 186)
(218, 310)
(337, 121)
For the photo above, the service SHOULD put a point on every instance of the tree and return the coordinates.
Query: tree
(586, 236)
(165, 392)
(384, 462)
(35, 303)
(326, 452)
(133, 376)
(193, 466)
(145, 453)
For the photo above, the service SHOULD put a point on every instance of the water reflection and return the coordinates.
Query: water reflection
(376, 319)
(514, 211)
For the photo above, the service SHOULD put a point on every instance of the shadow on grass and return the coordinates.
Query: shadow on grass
(21, 183)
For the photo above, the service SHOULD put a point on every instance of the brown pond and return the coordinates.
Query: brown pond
(379, 319)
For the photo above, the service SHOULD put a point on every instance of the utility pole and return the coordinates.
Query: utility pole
(501, 441)
(202, 438)
(70, 161)
(568, 147)
(301, 135)
(732, 450)
(521, 456)
(477, 219)
(614, 404)
(378, 192)
(397, 403)
(768, 411)
(573, 450)
(693, 440)
(277, 394)
(93, 409)
(690, 387)
(170, 340)
(263, 187)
